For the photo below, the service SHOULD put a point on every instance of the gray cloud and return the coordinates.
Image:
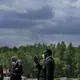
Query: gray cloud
(31, 21)
(24, 20)
(41, 14)
(60, 18)
(17, 37)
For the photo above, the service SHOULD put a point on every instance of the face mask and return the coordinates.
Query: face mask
(43, 56)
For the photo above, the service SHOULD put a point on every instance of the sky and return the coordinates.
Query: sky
(25, 22)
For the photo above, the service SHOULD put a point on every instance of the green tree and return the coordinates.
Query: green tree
(71, 60)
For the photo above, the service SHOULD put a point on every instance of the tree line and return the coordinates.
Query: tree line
(67, 58)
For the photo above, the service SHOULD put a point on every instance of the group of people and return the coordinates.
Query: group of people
(45, 70)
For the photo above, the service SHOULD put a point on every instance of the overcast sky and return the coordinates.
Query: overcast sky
(32, 21)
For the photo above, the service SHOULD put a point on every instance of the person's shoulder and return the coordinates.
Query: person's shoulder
(13, 63)
(50, 59)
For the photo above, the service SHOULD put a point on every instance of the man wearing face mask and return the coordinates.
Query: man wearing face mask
(46, 71)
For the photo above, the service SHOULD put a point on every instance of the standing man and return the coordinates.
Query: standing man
(12, 66)
(18, 70)
(46, 71)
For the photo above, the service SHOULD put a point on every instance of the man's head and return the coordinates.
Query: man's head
(14, 58)
(47, 52)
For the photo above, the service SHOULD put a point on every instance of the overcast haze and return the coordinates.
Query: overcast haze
(32, 21)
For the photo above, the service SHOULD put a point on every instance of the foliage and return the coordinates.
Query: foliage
(67, 58)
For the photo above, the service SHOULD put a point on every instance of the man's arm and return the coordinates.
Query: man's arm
(37, 63)
(38, 66)
(12, 65)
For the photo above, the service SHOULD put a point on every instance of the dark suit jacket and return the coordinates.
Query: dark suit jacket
(46, 71)
(18, 69)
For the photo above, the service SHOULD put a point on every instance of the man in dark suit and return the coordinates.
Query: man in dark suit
(46, 71)
(11, 69)
(18, 70)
